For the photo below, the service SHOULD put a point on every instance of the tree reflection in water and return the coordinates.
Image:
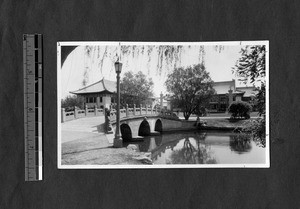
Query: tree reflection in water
(240, 143)
(189, 154)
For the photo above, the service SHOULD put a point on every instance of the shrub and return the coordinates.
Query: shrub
(71, 101)
(240, 109)
(257, 128)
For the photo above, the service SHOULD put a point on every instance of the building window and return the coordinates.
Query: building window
(86, 100)
(112, 100)
(101, 99)
(90, 99)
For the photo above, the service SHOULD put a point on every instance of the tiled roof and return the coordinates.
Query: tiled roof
(249, 91)
(98, 87)
(223, 87)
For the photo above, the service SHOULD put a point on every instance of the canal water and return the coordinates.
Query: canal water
(209, 147)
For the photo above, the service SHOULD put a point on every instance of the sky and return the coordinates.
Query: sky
(218, 64)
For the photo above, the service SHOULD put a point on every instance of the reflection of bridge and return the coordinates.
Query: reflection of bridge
(158, 145)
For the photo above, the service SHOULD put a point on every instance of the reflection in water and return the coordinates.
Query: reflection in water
(150, 143)
(202, 148)
(240, 143)
(190, 154)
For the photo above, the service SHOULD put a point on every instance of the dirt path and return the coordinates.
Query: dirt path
(82, 128)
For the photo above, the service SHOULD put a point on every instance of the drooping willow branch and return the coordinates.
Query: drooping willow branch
(162, 58)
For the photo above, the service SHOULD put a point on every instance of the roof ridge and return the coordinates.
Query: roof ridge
(104, 83)
(87, 86)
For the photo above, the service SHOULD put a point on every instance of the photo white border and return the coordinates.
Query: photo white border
(223, 43)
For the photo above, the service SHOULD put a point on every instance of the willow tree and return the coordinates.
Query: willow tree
(161, 58)
(189, 88)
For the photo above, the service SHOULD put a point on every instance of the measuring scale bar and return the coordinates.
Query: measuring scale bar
(33, 102)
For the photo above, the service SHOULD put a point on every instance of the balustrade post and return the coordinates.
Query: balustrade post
(141, 107)
(146, 110)
(151, 109)
(86, 110)
(127, 111)
(134, 110)
(95, 109)
(63, 115)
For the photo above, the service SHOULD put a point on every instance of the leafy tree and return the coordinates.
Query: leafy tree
(260, 99)
(201, 110)
(190, 88)
(257, 129)
(71, 101)
(135, 88)
(252, 67)
(240, 109)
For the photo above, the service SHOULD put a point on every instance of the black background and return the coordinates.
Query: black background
(276, 21)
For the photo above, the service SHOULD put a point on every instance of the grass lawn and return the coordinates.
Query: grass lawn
(224, 122)
(224, 114)
(220, 114)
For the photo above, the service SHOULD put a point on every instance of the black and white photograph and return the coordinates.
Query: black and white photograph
(163, 104)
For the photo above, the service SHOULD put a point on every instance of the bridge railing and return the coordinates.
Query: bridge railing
(127, 112)
(124, 112)
(80, 113)
(142, 111)
(133, 111)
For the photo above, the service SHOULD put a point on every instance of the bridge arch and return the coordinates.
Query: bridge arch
(158, 126)
(144, 129)
(126, 132)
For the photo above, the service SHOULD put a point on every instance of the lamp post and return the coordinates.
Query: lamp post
(118, 143)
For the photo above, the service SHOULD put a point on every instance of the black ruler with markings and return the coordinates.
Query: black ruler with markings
(33, 102)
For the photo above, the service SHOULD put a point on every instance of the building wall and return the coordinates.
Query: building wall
(100, 100)
(238, 98)
(221, 101)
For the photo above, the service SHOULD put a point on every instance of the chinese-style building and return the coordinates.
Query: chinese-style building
(101, 93)
(227, 92)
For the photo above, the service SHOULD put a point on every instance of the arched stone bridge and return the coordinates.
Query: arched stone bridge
(145, 122)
